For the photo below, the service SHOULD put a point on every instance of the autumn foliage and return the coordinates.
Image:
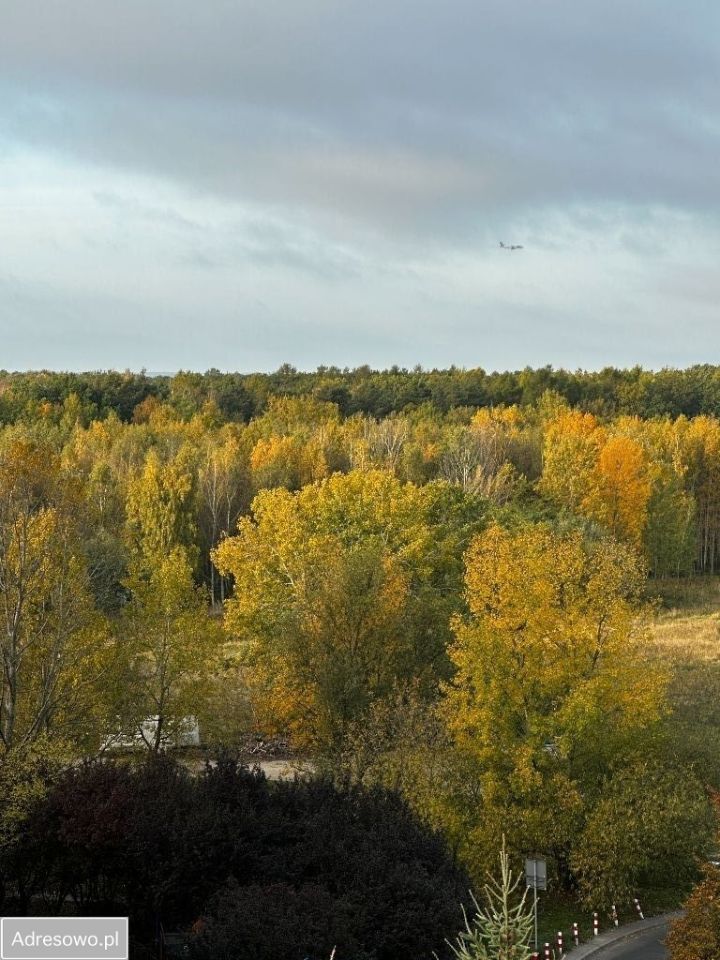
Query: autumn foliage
(696, 936)
(432, 583)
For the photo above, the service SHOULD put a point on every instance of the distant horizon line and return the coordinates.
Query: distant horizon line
(332, 369)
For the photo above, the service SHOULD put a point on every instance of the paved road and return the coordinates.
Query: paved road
(644, 946)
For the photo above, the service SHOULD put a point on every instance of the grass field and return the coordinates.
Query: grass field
(686, 634)
(688, 618)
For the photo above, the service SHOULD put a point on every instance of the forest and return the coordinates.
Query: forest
(438, 587)
(378, 393)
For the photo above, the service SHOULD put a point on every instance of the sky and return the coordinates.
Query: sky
(239, 184)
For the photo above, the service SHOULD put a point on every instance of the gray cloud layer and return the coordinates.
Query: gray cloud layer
(384, 146)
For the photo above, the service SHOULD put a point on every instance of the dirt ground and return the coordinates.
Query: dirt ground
(273, 769)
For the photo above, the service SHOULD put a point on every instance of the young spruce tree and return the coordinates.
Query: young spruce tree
(503, 929)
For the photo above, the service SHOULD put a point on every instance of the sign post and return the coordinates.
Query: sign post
(536, 877)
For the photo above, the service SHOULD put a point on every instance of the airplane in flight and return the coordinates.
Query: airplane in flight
(510, 246)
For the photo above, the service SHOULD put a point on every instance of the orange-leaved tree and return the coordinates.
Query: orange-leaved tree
(620, 489)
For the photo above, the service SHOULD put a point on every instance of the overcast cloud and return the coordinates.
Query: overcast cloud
(237, 184)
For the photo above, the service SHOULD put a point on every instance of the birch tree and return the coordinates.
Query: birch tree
(53, 643)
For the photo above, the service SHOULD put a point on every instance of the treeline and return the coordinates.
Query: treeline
(240, 397)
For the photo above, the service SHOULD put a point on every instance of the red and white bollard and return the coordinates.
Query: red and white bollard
(560, 943)
(548, 952)
(535, 956)
(638, 908)
(576, 935)
(614, 916)
(596, 925)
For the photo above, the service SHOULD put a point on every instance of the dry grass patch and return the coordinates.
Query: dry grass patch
(687, 624)
(687, 635)
(683, 636)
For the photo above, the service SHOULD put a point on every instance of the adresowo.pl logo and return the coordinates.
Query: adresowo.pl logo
(64, 938)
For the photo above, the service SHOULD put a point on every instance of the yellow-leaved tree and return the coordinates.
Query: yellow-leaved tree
(168, 647)
(570, 448)
(160, 506)
(551, 688)
(167, 643)
(343, 591)
(53, 643)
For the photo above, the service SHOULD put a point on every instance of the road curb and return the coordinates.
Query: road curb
(627, 932)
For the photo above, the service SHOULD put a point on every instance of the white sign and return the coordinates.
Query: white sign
(536, 874)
